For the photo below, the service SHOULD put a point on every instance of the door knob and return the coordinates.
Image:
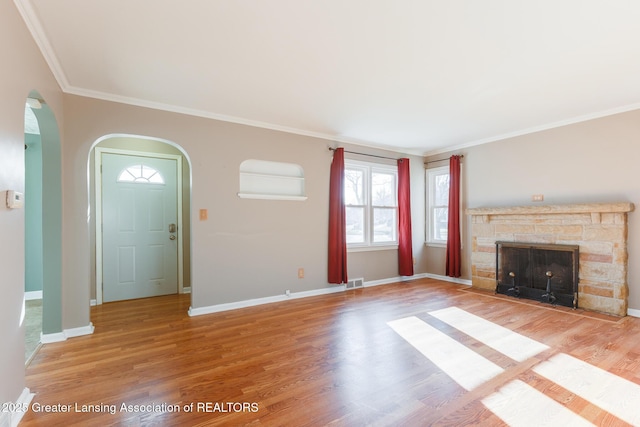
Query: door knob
(172, 237)
(172, 228)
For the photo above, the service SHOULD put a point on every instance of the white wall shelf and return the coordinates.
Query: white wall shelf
(266, 180)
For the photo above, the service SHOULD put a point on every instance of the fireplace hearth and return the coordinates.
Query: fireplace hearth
(542, 272)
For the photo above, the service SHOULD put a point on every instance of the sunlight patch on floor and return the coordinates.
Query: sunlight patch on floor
(463, 365)
(600, 388)
(540, 410)
(511, 344)
(616, 395)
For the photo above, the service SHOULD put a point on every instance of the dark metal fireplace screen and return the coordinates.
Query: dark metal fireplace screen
(542, 272)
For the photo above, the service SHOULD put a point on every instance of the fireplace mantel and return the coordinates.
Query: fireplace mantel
(554, 209)
(599, 229)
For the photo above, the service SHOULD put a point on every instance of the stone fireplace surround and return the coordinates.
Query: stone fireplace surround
(600, 230)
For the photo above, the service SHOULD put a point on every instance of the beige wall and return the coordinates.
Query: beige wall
(247, 248)
(23, 69)
(593, 161)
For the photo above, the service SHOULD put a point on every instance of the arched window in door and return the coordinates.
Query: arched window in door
(140, 174)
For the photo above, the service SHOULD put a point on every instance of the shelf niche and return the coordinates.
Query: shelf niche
(261, 179)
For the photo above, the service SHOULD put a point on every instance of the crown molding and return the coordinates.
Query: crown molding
(540, 128)
(226, 118)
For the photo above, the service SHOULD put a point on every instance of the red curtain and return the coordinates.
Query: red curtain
(337, 221)
(453, 229)
(405, 246)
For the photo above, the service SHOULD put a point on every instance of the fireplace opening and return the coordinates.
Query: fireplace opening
(542, 272)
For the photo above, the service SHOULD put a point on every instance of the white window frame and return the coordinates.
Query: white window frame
(430, 178)
(369, 168)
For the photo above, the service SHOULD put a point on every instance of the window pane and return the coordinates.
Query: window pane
(440, 221)
(140, 174)
(383, 189)
(353, 187)
(355, 225)
(384, 225)
(441, 188)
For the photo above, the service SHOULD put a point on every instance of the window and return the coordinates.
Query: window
(370, 192)
(438, 204)
(141, 174)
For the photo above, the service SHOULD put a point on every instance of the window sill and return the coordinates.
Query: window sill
(372, 248)
(435, 244)
(439, 245)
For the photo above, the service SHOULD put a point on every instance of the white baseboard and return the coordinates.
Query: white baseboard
(50, 338)
(67, 333)
(12, 419)
(259, 301)
(633, 312)
(93, 302)
(32, 295)
(449, 279)
(324, 291)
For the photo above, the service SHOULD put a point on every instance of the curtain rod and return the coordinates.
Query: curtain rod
(364, 154)
(441, 160)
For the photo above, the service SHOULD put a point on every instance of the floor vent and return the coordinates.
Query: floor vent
(355, 283)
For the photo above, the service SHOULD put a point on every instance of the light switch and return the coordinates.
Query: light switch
(15, 200)
(204, 214)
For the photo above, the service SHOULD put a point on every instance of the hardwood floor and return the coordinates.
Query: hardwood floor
(329, 360)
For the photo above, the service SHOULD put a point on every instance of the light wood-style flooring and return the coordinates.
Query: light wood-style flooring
(328, 360)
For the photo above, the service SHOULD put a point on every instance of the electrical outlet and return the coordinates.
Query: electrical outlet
(301, 273)
(204, 214)
(287, 293)
(537, 198)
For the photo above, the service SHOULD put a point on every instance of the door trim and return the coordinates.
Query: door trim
(97, 169)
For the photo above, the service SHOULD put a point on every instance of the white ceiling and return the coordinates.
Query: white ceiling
(419, 76)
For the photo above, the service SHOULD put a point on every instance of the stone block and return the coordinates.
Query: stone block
(594, 290)
(534, 238)
(483, 230)
(576, 219)
(483, 283)
(602, 272)
(621, 292)
(620, 256)
(596, 247)
(487, 242)
(559, 230)
(480, 258)
(569, 241)
(603, 304)
(604, 233)
(608, 218)
(505, 237)
(515, 228)
(607, 258)
(486, 274)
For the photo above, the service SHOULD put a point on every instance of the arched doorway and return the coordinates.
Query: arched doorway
(139, 147)
(43, 218)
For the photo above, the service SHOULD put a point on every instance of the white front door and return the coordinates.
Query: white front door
(139, 227)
